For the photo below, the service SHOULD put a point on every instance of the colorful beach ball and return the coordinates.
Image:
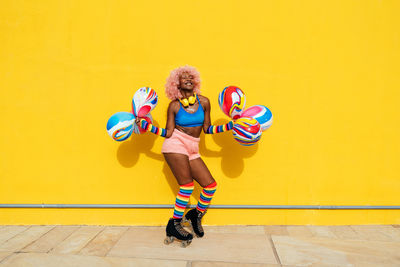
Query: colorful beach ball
(120, 125)
(261, 113)
(232, 101)
(144, 100)
(247, 131)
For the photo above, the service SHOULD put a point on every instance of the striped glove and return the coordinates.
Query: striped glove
(213, 129)
(151, 128)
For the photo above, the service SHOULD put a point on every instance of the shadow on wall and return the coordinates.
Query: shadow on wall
(232, 154)
(140, 145)
(129, 151)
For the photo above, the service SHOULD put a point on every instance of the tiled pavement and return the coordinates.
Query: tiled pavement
(222, 246)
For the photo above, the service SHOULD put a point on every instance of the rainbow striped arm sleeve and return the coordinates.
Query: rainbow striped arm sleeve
(151, 128)
(213, 129)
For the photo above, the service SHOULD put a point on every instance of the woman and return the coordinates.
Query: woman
(188, 115)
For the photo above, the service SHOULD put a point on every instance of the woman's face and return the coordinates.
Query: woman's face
(186, 81)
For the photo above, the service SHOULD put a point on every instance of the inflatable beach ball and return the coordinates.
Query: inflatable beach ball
(232, 101)
(144, 100)
(247, 131)
(261, 113)
(120, 125)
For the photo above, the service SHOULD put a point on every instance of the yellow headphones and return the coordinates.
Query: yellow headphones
(188, 101)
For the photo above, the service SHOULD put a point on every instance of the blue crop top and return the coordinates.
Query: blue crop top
(186, 119)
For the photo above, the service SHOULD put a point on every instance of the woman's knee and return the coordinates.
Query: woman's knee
(184, 181)
(213, 183)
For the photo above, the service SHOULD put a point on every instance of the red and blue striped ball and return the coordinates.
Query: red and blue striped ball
(120, 125)
(261, 113)
(247, 131)
(144, 100)
(232, 101)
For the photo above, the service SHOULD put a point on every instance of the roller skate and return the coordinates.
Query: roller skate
(194, 217)
(175, 231)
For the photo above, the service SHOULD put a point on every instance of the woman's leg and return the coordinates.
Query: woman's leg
(200, 172)
(180, 167)
(179, 164)
(203, 176)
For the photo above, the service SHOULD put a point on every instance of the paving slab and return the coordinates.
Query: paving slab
(235, 229)
(345, 232)
(9, 231)
(24, 238)
(4, 254)
(230, 264)
(104, 241)
(148, 243)
(299, 230)
(51, 239)
(321, 231)
(301, 251)
(276, 230)
(77, 240)
(389, 231)
(370, 232)
(51, 260)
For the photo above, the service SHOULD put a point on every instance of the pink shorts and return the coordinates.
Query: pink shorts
(182, 143)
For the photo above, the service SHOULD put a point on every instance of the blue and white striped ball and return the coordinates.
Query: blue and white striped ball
(246, 131)
(120, 125)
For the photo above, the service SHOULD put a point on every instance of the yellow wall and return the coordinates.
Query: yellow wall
(328, 70)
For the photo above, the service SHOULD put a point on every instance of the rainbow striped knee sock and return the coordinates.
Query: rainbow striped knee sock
(182, 199)
(206, 196)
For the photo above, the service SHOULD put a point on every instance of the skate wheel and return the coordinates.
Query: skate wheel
(184, 244)
(168, 240)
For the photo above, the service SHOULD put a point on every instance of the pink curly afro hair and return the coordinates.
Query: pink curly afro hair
(171, 87)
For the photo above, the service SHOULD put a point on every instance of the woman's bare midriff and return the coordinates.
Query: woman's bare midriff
(192, 131)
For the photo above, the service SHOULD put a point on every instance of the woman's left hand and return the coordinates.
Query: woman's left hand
(137, 121)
